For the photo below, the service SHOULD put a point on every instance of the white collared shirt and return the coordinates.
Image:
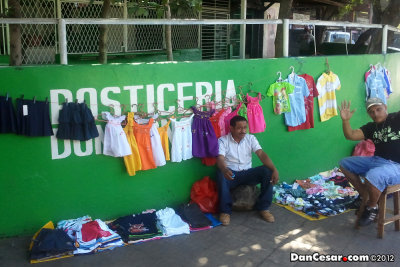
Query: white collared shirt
(238, 155)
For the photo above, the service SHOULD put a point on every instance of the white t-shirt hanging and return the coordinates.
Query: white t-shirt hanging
(115, 141)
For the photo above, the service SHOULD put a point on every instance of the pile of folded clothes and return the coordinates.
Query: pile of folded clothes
(327, 193)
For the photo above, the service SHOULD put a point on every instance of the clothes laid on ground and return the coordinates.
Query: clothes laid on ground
(76, 122)
(115, 140)
(133, 162)
(255, 114)
(90, 236)
(376, 85)
(163, 131)
(181, 140)
(143, 139)
(317, 195)
(33, 118)
(156, 146)
(192, 214)
(297, 113)
(51, 244)
(309, 105)
(170, 223)
(136, 227)
(204, 139)
(280, 92)
(327, 84)
(8, 120)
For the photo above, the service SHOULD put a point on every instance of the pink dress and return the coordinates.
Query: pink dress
(221, 121)
(255, 114)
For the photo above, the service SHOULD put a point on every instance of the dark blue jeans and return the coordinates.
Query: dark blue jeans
(258, 175)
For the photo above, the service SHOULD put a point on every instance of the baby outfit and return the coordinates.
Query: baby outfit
(132, 162)
(181, 139)
(143, 139)
(163, 131)
(204, 140)
(156, 146)
(115, 141)
(255, 114)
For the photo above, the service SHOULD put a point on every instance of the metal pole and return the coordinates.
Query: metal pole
(125, 27)
(7, 30)
(62, 39)
(243, 14)
(285, 37)
(384, 39)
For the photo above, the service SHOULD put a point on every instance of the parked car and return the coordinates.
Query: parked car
(337, 37)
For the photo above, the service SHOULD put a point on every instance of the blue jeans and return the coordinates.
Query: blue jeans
(259, 175)
(378, 171)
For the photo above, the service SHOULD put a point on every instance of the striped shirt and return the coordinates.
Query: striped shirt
(326, 86)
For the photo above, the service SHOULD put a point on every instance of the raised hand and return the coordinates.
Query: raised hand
(345, 112)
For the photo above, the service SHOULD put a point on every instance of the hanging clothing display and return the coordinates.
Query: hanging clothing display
(156, 146)
(76, 122)
(204, 140)
(228, 118)
(143, 139)
(8, 121)
(280, 92)
(297, 113)
(33, 118)
(181, 140)
(115, 141)
(163, 132)
(309, 105)
(327, 84)
(221, 121)
(133, 162)
(255, 114)
(376, 85)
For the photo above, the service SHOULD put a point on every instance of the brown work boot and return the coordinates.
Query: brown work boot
(267, 216)
(225, 218)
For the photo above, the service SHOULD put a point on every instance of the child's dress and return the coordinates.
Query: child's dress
(163, 131)
(156, 146)
(115, 141)
(132, 162)
(205, 143)
(255, 114)
(181, 141)
(143, 139)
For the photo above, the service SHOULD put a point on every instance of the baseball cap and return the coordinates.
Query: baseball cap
(373, 101)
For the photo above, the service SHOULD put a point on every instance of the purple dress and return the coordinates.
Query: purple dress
(204, 140)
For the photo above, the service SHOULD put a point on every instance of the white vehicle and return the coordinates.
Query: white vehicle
(337, 37)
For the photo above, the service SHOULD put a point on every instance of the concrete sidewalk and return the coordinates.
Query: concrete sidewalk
(247, 241)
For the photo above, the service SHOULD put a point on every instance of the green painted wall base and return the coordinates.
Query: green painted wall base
(34, 188)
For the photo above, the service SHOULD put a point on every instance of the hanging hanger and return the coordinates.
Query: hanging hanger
(251, 91)
(7, 96)
(280, 76)
(47, 100)
(66, 100)
(328, 69)
(34, 100)
(291, 75)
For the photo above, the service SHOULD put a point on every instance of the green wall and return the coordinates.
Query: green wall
(35, 189)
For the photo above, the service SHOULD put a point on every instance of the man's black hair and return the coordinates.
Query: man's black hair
(236, 119)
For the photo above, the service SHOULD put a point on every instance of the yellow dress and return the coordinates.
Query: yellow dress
(132, 162)
(163, 131)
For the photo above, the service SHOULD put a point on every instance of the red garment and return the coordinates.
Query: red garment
(309, 105)
(92, 230)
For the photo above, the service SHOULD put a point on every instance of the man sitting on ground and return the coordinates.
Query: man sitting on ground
(381, 170)
(234, 169)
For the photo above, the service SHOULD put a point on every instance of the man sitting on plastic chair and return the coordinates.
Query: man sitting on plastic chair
(380, 170)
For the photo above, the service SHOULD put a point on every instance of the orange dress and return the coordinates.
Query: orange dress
(163, 131)
(142, 135)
